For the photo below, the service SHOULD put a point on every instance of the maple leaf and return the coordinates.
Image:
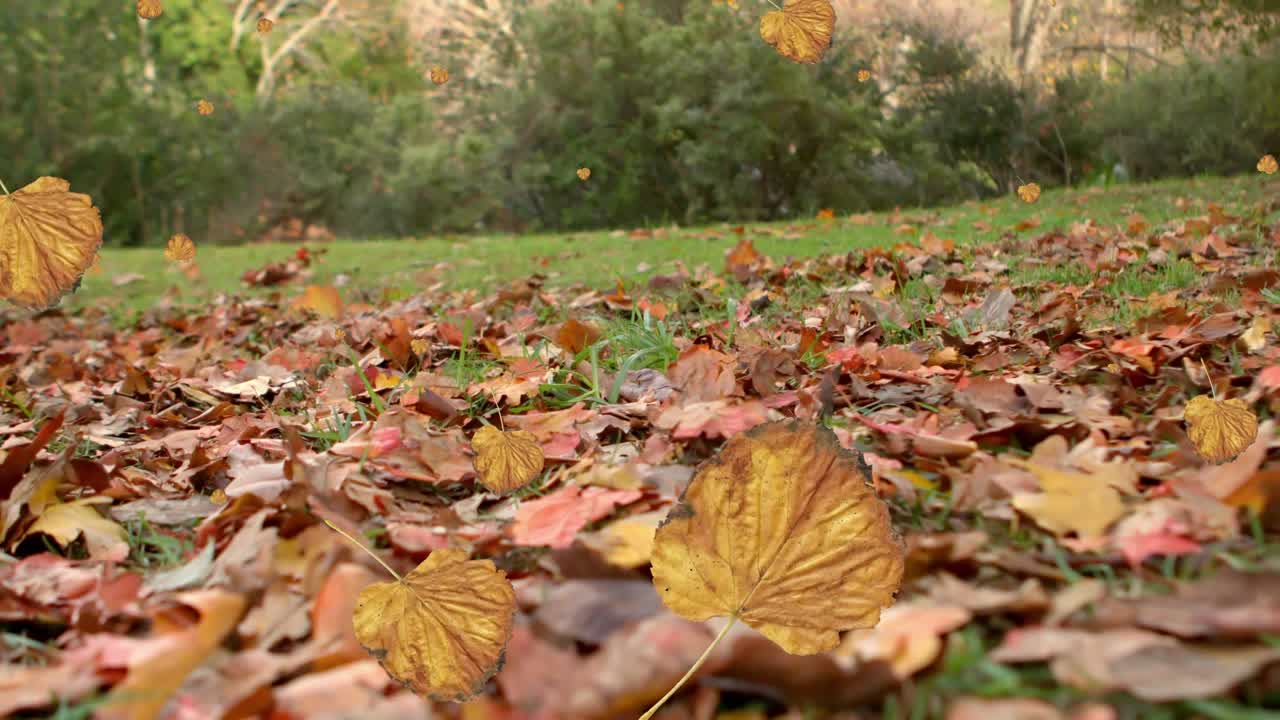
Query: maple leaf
(49, 237)
(781, 531)
(1220, 430)
(149, 9)
(442, 628)
(506, 461)
(801, 30)
(180, 248)
(1086, 504)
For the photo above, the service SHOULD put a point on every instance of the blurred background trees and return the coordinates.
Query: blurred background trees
(681, 112)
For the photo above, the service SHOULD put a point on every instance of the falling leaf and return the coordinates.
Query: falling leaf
(204, 107)
(439, 75)
(826, 214)
(49, 236)
(584, 173)
(1072, 502)
(420, 347)
(864, 75)
(1029, 192)
(180, 248)
(442, 629)
(1220, 430)
(506, 461)
(1267, 164)
(801, 31)
(149, 9)
(265, 25)
(782, 531)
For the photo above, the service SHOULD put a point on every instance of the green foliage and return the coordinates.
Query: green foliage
(1202, 117)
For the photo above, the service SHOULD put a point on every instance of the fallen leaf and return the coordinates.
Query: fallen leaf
(67, 522)
(554, 520)
(49, 236)
(1086, 504)
(506, 460)
(442, 629)
(782, 531)
(801, 30)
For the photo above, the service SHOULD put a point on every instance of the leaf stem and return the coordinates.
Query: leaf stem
(771, 2)
(705, 654)
(3, 187)
(360, 545)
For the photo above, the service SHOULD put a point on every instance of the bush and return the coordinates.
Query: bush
(1201, 117)
(670, 134)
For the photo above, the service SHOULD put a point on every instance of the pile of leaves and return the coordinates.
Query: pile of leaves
(169, 492)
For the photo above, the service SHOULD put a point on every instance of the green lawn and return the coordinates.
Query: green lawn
(596, 258)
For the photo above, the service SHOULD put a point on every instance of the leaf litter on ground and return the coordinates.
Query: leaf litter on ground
(1020, 403)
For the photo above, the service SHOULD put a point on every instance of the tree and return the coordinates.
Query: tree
(1241, 20)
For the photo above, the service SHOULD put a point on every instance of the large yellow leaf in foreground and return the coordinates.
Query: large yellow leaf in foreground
(1220, 430)
(801, 31)
(440, 630)
(48, 238)
(781, 531)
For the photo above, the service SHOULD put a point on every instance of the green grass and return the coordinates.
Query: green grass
(481, 262)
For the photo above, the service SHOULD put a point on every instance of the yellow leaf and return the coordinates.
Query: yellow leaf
(506, 461)
(439, 75)
(442, 629)
(584, 173)
(801, 31)
(65, 522)
(1255, 338)
(1267, 164)
(864, 75)
(178, 644)
(1220, 430)
(1073, 502)
(149, 9)
(265, 25)
(630, 543)
(322, 300)
(204, 107)
(49, 236)
(1029, 192)
(782, 531)
(180, 248)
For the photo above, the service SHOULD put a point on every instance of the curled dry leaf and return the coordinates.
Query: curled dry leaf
(439, 74)
(506, 461)
(265, 25)
(782, 531)
(801, 31)
(49, 236)
(442, 629)
(1220, 430)
(1029, 193)
(584, 173)
(204, 107)
(1267, 164)
(149, 9)
(180, 248)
